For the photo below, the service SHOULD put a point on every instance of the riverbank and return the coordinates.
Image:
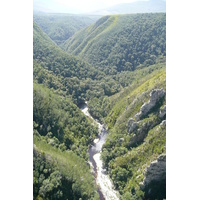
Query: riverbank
(106, 189)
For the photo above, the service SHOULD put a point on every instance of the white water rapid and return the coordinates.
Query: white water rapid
(106, 189)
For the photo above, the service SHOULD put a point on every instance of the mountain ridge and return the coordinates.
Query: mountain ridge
(121, 43)
(148, 6)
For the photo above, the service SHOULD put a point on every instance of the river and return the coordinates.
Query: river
(106, 189)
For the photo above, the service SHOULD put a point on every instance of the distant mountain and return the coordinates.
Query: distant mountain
(143, 6)
(121, 42)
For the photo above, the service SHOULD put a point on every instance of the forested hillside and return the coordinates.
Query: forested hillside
(60, 27)
(59, 174)
(59, 118)
(73, 76)
(117, 65)
(62, 132)
(137, 136)
(121, 42)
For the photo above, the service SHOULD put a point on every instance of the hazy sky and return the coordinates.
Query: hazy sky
(75, 6)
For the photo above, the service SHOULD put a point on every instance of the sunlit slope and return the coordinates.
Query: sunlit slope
(132, 143)
(61, 136)
(63, 119)
(122, 41)
(60, 174)
(146, 83)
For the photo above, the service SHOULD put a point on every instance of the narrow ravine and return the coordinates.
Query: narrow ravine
(106, 189)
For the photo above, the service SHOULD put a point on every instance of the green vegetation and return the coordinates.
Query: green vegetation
(62, 133)
(60, 27)
(124, 159)
(121, 42)
(60, 174)
(66, 74)
(121, 59)
(138, 76)
(145, 81)
(62, 121)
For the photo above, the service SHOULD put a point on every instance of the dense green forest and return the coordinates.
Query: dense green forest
(59, 174)
(121, 42)
(116, 65)
(74, 77)
(62, 120)
(62, 133)
(60, 27)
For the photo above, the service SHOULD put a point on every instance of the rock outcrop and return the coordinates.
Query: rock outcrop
(162, 112)
(154, 184)
(156, 171)
(131, 125)
(155, 96)
(141, 133)
(163, 123)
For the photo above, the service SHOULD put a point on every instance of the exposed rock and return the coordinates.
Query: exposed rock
(163, 123)
(131, 125)
(162, 112)
(121, 140)
(155, 96)
(156, 171)
(133, 139)
(140, 133)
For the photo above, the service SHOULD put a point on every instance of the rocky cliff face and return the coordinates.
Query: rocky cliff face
(156, 171)
(139, 129)
(140, 133)
(155, 96)
(162, 112)
(154, 184)
(131, 125)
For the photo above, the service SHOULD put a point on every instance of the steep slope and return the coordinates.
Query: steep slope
(61, 137)
(51, 57)
(61, 131)
(70, 76)
(129, 98)
(59, 174)
(137, 137)
(100, 107)
(62, 119)
(122, 42)
(60, 27)
(51, 61)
